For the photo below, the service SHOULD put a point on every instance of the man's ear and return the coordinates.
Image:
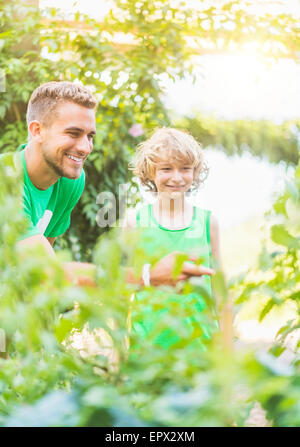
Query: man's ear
(35, 129)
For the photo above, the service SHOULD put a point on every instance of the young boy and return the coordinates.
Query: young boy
(170, 164)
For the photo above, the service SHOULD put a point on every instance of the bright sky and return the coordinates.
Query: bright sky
(231, 86)
(240, 86)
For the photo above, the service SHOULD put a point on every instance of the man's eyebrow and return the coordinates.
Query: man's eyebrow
(78, 129)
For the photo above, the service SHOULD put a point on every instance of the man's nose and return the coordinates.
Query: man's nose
(85, 145)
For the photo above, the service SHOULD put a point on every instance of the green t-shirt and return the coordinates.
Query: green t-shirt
(49, 210)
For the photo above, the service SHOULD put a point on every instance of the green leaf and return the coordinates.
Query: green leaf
(180, 259)
(270, 304)
(297, 172)
(219, 285)
(281, 236)
(277, 350)
(63, 328)
(265, 260)
(293, 190)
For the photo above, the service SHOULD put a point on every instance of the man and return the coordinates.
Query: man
(61, 127)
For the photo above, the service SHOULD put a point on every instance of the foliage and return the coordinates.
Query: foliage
(159, 42)
(277, 142)
(68, 362)
(50, 377)
(277, 282)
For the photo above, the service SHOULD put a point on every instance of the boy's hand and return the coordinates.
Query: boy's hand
(162, 272)
(192, 269)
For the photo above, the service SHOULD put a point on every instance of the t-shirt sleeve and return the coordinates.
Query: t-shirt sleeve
(13, 160)
(64, 222)
(32, 230)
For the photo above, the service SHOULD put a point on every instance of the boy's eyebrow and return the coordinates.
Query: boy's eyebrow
(79, 130)
(166, 163)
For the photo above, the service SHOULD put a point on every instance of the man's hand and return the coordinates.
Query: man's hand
(80, 273)
(162, 272)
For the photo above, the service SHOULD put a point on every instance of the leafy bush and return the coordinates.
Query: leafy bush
(277, 282)
(277, 142)
(67, 360)
(47, 364)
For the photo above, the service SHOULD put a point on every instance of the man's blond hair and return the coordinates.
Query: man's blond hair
(168, 144)
(47, 97)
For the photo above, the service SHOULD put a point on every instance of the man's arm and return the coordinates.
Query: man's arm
(51, 240)
(79, 273)
(37, 239)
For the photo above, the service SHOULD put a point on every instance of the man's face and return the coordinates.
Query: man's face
(68, 140)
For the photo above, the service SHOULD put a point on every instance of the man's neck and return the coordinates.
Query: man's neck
(40, 174)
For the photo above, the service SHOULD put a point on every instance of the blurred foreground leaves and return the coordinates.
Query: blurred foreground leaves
(49, 377)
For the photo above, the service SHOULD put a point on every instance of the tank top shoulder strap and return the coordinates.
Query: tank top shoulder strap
(207, 225)
(202, 220)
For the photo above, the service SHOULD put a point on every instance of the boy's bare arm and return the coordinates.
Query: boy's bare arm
(226, 311)
(162, 272)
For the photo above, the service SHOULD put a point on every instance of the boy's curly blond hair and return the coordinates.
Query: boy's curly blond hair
(174, 144)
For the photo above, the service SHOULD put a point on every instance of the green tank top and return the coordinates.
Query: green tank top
(196, 319)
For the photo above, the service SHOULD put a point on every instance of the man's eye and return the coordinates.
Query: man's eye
(73, 135)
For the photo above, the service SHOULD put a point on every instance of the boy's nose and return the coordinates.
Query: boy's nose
(176, 176)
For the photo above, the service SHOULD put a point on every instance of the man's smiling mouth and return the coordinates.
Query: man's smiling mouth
(76, 159)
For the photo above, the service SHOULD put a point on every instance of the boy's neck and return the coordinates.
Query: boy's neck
(173, 213)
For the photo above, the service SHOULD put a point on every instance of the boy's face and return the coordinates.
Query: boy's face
(68, 140)
(173, 176)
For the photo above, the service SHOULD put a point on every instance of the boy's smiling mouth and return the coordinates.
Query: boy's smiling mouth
(175, 186)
